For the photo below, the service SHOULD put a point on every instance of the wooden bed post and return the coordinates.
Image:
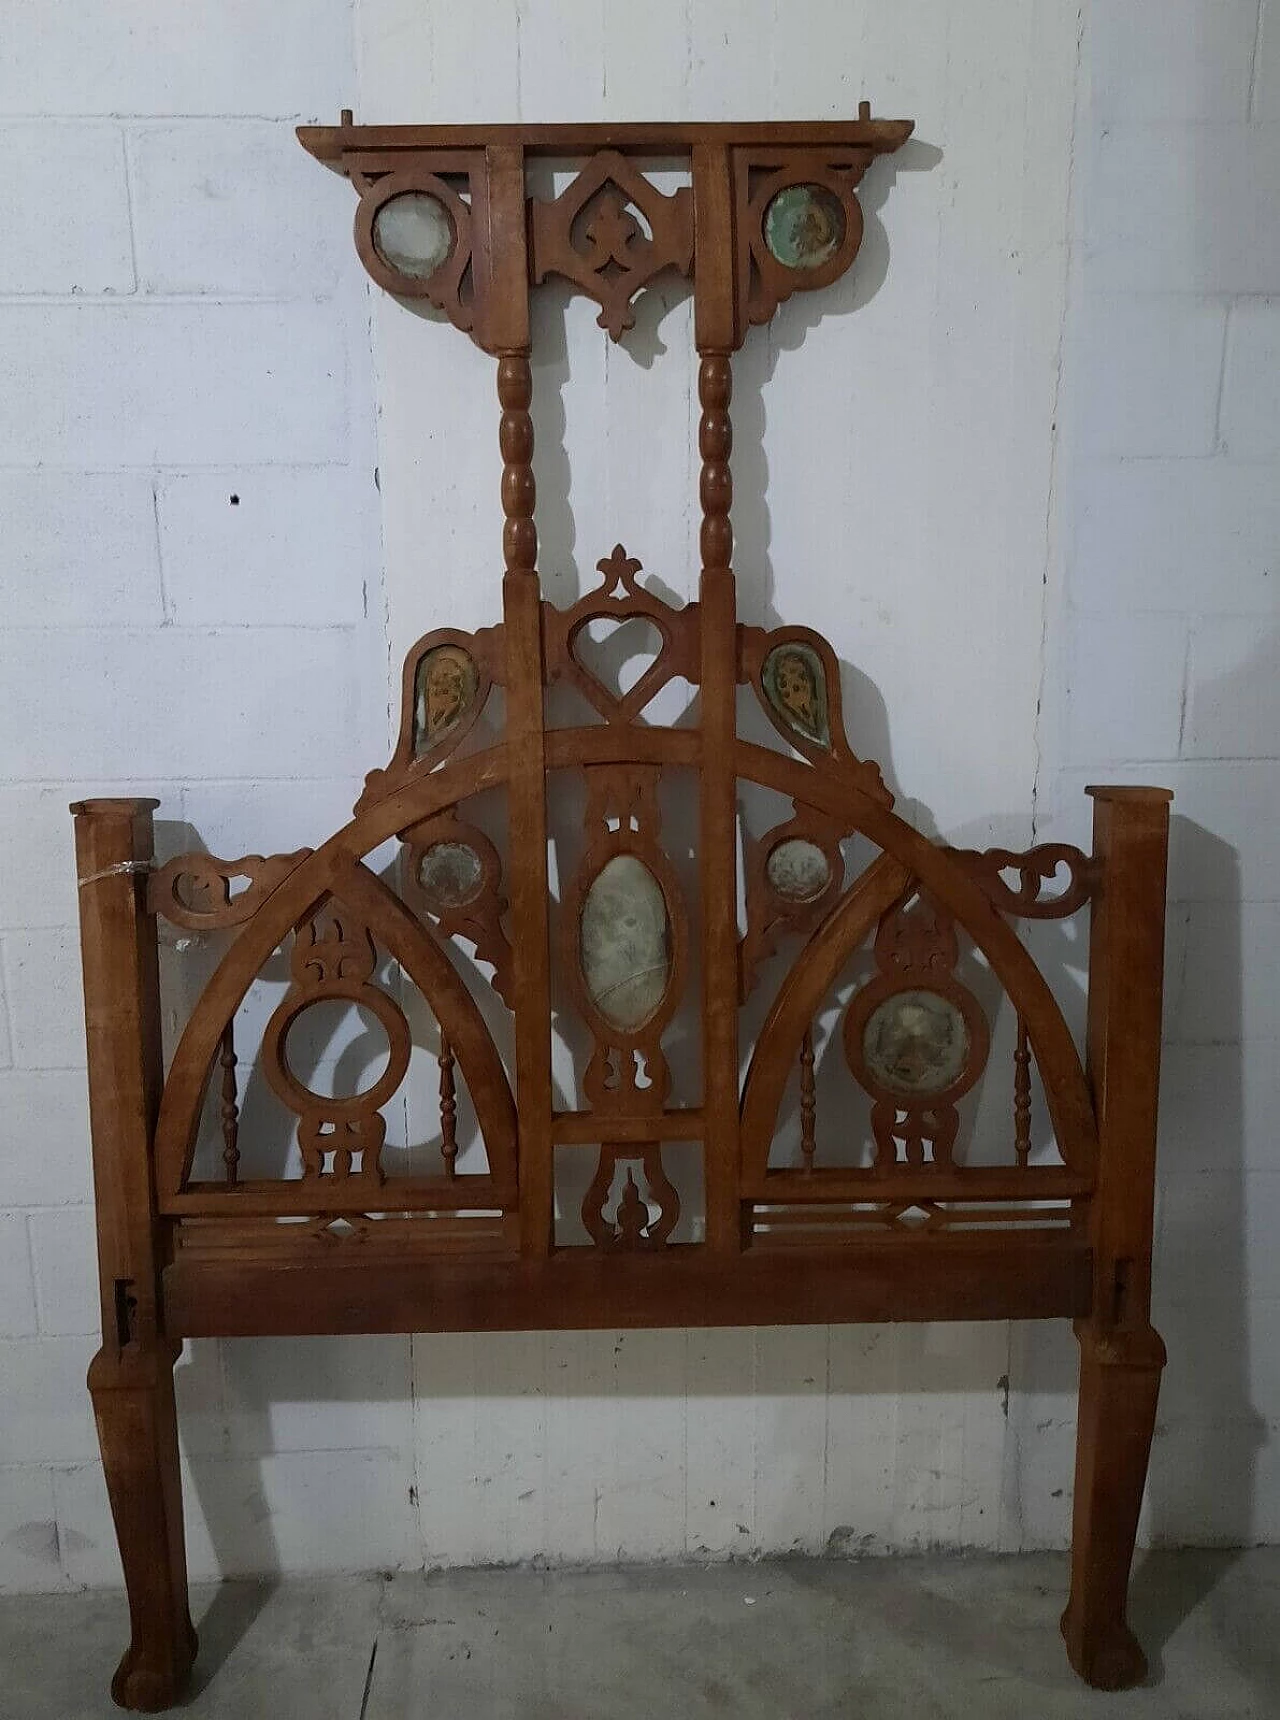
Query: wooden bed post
(1121, 1354)
(131, 1377)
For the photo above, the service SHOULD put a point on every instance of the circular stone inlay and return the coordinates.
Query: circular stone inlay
(451, 874)
(798, 870)
(916, 1042)
(413, 233)
(804, 226)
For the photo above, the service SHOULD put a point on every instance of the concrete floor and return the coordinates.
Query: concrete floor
(885, 1639)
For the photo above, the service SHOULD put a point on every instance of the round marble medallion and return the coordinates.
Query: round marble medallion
(804, 226)
(413, 233)
(798, 870)
(451, 875)
(916, 1043)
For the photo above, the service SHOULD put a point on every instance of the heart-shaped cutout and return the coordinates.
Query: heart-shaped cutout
(617, 654)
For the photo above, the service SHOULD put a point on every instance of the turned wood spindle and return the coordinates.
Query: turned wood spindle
(448, 1108)
(515, 441)
(1022, 1095)
(230, 1107)
(715, 444)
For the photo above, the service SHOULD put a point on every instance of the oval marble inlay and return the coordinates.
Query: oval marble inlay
(625, 942)
(804, 226)
(916, 1043)
(451, 874)
(798, 869)
(413, 233)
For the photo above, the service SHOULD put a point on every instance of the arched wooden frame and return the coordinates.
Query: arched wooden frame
(183, 1258)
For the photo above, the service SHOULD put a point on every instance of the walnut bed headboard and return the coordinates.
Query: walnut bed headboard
(716, 986)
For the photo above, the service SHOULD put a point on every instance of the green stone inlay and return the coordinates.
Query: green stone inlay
(916, 1043)
(804, 226)
(625, 943)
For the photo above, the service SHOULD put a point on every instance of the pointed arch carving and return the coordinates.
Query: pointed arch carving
(335, 871)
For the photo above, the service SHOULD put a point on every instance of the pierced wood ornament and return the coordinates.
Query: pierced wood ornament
(836, 1181)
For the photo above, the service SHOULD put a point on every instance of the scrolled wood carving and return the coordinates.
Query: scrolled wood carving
(799, 222)
(632, 1227)
(617, 599)
(793, 875)
(1035, 868)
(453, 872)
(590, 235)
(433, 199)
(195, 890)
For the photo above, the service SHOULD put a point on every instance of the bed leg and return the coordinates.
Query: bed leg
(138, 1432)
(1119, 1385)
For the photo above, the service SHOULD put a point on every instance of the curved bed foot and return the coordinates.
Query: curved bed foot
(1109, 1658)
(1119, 1384)
(137, 1431)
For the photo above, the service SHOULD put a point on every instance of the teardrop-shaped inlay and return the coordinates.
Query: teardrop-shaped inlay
(625, 943)
(795, 684)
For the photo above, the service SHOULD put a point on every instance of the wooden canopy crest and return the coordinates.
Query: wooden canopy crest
(887, 974)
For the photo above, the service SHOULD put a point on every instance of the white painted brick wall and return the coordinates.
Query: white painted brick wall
(195, 331)
(199, 332)
(1168, 608)
(88, 252)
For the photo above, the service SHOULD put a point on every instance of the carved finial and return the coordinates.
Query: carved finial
(619, 568)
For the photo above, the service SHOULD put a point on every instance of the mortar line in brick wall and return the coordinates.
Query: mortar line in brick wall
(211, 629)
(34, 1208)
(175, 786)
(138, 300)
(118, 117)
(168, 625)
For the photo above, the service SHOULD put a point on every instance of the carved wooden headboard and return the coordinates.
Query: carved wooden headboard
(779, 1024)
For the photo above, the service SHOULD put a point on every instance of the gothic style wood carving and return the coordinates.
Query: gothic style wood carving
(837, 1177)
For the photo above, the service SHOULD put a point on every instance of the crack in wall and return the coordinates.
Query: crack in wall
(1051, 529)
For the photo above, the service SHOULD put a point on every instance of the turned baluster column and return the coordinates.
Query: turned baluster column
(507, 336)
